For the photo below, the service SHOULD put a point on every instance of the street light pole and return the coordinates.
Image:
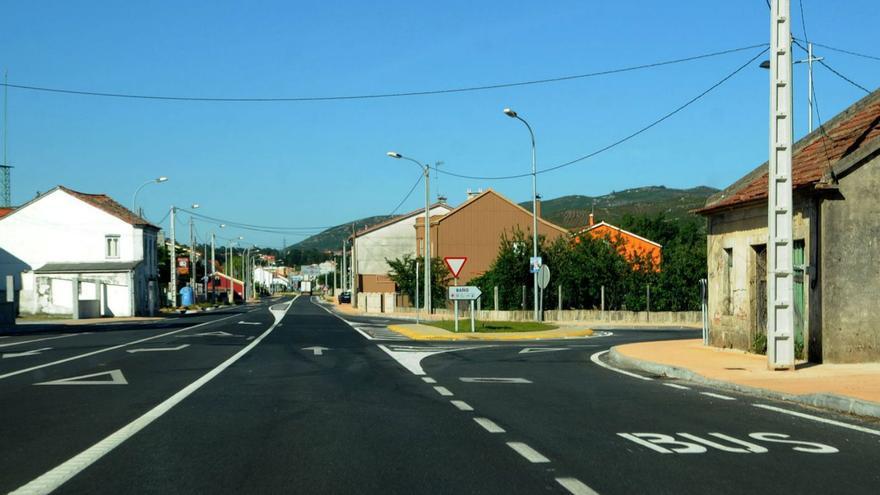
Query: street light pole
(427, 171)
(510, 113)
(157, 180)
(172, 262)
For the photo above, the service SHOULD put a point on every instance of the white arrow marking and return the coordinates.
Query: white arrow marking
(212, 334)
(159, 349)
(40, 340)
(116, 378)
(249, 323)
(318, 350)
(493, 380)
(25, 353)
(530, 350)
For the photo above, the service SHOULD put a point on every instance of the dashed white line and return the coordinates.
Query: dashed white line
(717, 396)
(575, 486)
(595, 358)
(462, 405)
(20, 342)
(443, 391)
(489, 425)
(817, 418)
(428, 379)
(675, 385)
(529, 453)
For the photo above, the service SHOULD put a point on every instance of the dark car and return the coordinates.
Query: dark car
(344, 297)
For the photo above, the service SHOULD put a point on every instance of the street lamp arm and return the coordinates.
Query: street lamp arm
(138, 190)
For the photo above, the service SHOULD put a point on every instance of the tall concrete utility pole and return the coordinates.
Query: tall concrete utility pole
(780, 272)
(344, 266)
(172, 262)
(192, 259)
(5, 168)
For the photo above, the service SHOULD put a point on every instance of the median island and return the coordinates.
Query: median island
(464, 325)
(488, 330)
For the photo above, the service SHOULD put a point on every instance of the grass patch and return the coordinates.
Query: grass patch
(464, 325)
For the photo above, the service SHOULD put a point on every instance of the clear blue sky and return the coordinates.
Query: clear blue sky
(323, 163)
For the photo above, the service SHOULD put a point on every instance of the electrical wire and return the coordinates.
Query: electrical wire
(621, 140)
(382, 95)
(413, 188)
(838, 74)
(848, 52)
(233, 223)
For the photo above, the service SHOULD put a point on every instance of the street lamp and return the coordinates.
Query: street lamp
(427, 171)
(510, 113)
(172, 284)
(157, 180)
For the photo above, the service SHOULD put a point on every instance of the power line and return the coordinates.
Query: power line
(413, 188)
(848, 52)
(619, 141)
(382, 95)
(233, 223)
(838, 74)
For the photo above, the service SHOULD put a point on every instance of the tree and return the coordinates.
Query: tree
(403, 273)
(510, 270)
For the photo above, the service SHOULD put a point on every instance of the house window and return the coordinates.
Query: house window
(111, 246)
(727, 281)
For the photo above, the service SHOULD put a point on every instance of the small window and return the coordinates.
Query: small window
(112, 246)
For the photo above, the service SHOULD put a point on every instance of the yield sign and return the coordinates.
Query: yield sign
(455, 264)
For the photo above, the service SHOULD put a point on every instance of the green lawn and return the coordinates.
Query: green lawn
(464, 325)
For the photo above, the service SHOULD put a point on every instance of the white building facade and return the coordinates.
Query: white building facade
(65, 240)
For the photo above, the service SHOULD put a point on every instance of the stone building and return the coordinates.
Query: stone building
(836, 232)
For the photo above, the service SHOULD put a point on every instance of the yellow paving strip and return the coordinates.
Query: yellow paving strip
(427, 332)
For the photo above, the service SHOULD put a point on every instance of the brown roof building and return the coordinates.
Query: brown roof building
(474, 230)
(836, 232)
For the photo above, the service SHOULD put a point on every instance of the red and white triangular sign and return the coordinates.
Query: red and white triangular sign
(455, 264)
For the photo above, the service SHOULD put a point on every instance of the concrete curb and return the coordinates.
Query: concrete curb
(833, 402)
(414, 335)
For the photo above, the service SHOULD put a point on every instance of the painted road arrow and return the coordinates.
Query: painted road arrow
(318, 350)
(116, 378)
(529, 350)
(24, 353)
(159, 349)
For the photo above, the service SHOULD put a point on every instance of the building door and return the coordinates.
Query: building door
(760, 289)
(798, 289)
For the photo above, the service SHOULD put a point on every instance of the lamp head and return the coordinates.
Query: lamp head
(394, 154)
(765, 64)
(195, 205)
(161, 179)
(510, 113)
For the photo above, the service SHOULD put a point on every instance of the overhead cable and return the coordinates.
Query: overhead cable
(380, 95)
(413, 188)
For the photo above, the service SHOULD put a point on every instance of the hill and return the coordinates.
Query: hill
(331, 239)
(574, 211)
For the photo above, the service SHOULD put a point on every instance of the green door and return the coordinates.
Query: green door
(799, 316)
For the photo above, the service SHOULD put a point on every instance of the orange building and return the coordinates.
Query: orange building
(474, 230)
(631, 246)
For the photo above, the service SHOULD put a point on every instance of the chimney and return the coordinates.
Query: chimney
(471, 194)
(591, 219)
(538, 205)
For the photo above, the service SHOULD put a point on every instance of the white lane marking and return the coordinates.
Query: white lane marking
(410, 357)
(316, 349)
(531, 350)
(116, 378)
(40, 340)
(219, 333)
(428, 379)
(158, 349)
(717, 396)
(489, 425)
(32, 352)
(462, 405)
(595, 358)
(819, 419)
(575, 486)
(675, 385)
(529, 453)
(358, 330)
(443, 391)
(249, 323)
(487, 379)
(59, 475)
(108, 349)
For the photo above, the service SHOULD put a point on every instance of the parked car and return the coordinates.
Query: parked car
(344, 297)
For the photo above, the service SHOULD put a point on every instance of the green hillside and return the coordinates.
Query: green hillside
(331, 239)
(574, 211)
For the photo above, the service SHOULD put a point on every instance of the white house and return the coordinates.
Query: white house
(388, 240)
(64, 239)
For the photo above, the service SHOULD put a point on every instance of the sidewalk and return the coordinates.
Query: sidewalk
(848, 388)
(428, 332)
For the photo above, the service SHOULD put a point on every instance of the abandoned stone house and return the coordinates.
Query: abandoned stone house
(836, 227)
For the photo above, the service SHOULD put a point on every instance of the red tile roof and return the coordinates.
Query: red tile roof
(813, 156)
(6, 211)
(109, 205)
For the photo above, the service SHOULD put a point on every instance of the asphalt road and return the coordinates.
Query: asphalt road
(293, 399)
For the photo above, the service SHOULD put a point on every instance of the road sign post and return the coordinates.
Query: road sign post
(455, 264)
(464, 293)
(543, 281)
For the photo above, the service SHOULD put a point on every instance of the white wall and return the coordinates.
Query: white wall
(390, 242)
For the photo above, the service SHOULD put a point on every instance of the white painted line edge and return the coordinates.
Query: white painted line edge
(356, 329)
(40, 340)
(717, 396)
(675, 385)
(529, 453)
(819, 419)
(595, 358)
(462, 405)
(489, 425)
(59, 475)
(575, 486)
(443, 391)
(428, 379)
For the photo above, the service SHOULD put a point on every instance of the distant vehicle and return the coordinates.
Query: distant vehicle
(305, 287)
(344, 297)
